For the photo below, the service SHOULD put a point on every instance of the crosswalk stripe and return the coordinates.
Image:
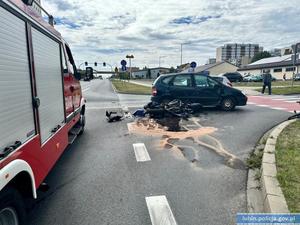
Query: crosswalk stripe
(278, 108)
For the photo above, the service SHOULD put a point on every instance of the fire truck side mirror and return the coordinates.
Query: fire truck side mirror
(28, 2)
(36, 102)
(78, 75)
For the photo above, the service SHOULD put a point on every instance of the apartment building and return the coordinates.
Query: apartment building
(234, 53)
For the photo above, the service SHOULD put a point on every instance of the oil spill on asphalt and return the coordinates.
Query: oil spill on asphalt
(181, 135)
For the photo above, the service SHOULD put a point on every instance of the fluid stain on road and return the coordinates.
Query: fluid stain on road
(176, 139)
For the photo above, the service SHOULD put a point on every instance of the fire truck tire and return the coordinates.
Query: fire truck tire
(82, 124)
(12, 208)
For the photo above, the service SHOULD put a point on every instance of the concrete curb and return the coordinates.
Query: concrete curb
(273, 198)
(114, 88)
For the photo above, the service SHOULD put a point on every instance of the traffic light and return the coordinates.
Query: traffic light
(96, 64)
(104, 64)
(86, 63)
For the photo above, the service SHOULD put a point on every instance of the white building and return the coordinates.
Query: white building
(234, 53)
(278, 66)
(215, 68)
(151, 73)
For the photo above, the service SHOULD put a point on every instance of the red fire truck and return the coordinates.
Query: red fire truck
(42, 109)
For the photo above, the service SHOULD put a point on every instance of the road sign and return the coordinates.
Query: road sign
(123, 62)
(193, 64)
(124, 68)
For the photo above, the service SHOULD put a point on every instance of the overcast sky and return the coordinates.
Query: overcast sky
(107, 30)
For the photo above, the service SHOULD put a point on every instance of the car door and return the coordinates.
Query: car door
(181, 87)
(208, 91)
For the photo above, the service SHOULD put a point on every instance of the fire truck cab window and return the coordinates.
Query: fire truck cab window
(64, 61)
(70, 60)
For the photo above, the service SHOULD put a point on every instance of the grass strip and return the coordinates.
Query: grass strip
(126, 87)
(288, 165)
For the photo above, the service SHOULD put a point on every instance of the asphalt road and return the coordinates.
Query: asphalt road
(99, 181)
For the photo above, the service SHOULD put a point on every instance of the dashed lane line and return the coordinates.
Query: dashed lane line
(160, 211)
(141, 153)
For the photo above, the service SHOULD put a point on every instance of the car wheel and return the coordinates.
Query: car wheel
(228, 104)
(12, 209)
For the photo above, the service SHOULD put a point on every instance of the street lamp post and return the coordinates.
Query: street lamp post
(181, 49)
(181, 54)
(295, 61)
(130, 57)
(159, 59)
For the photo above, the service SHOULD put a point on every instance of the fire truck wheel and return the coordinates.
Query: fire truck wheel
(82, 124)
(12, 209)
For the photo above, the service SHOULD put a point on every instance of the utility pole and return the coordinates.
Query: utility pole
(181, 50)
(181, 53)
(159, 58)
(295, 62)
(130, 70)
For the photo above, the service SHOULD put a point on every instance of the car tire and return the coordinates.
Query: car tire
(228, 104)
(12, 209)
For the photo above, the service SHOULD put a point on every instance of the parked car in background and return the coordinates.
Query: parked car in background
(297, 77)
(233, 77)
(256, 78)
(222, 79)
(196, 88)
(253, 78)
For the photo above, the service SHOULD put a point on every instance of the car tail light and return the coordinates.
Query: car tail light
(154, 91)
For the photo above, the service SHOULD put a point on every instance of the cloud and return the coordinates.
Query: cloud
(65, 22)
(63, 5)
(193, 19)
(108, 30)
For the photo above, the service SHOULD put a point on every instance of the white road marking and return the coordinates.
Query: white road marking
(84, 90)
(293, 101)
(263, 105)
(285, 99)
(278, 108)
(160, 211)
(251, 103)
(141, 153)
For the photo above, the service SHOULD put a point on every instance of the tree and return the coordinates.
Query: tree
(172, 70)
(261, 55)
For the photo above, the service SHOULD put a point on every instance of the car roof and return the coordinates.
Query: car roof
(174, 74)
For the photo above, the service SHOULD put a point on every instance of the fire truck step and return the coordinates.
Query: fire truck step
(72, 138)
(75, 130)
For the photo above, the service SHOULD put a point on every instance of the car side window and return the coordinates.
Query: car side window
(183, 81)
(212, 82)
(167, 80)
(201, 81)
